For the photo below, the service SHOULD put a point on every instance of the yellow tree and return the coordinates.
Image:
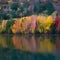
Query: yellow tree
(9, 1)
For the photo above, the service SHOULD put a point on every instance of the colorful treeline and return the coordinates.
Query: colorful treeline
(31, 24)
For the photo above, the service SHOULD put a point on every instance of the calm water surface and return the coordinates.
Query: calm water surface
(27, 47)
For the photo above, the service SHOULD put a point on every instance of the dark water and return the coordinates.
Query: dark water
(27, 47)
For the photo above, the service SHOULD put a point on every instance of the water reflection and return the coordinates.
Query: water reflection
(29, 47)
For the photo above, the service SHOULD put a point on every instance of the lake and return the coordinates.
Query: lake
(29, 47)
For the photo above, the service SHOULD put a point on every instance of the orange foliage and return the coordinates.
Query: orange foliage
(15, 27)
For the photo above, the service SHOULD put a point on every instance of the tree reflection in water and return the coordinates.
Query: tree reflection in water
(29, 47)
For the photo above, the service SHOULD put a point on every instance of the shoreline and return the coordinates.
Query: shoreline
(42, 34)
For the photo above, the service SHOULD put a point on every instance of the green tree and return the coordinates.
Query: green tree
(8, 25)
(21, 8)
(5, 16)
(52, 28)
(50, 8)
(26, 4)
(14, 14)
(14, 6)
(35, 9)
(41, 8)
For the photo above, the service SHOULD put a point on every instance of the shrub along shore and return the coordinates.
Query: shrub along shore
(33, 24)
